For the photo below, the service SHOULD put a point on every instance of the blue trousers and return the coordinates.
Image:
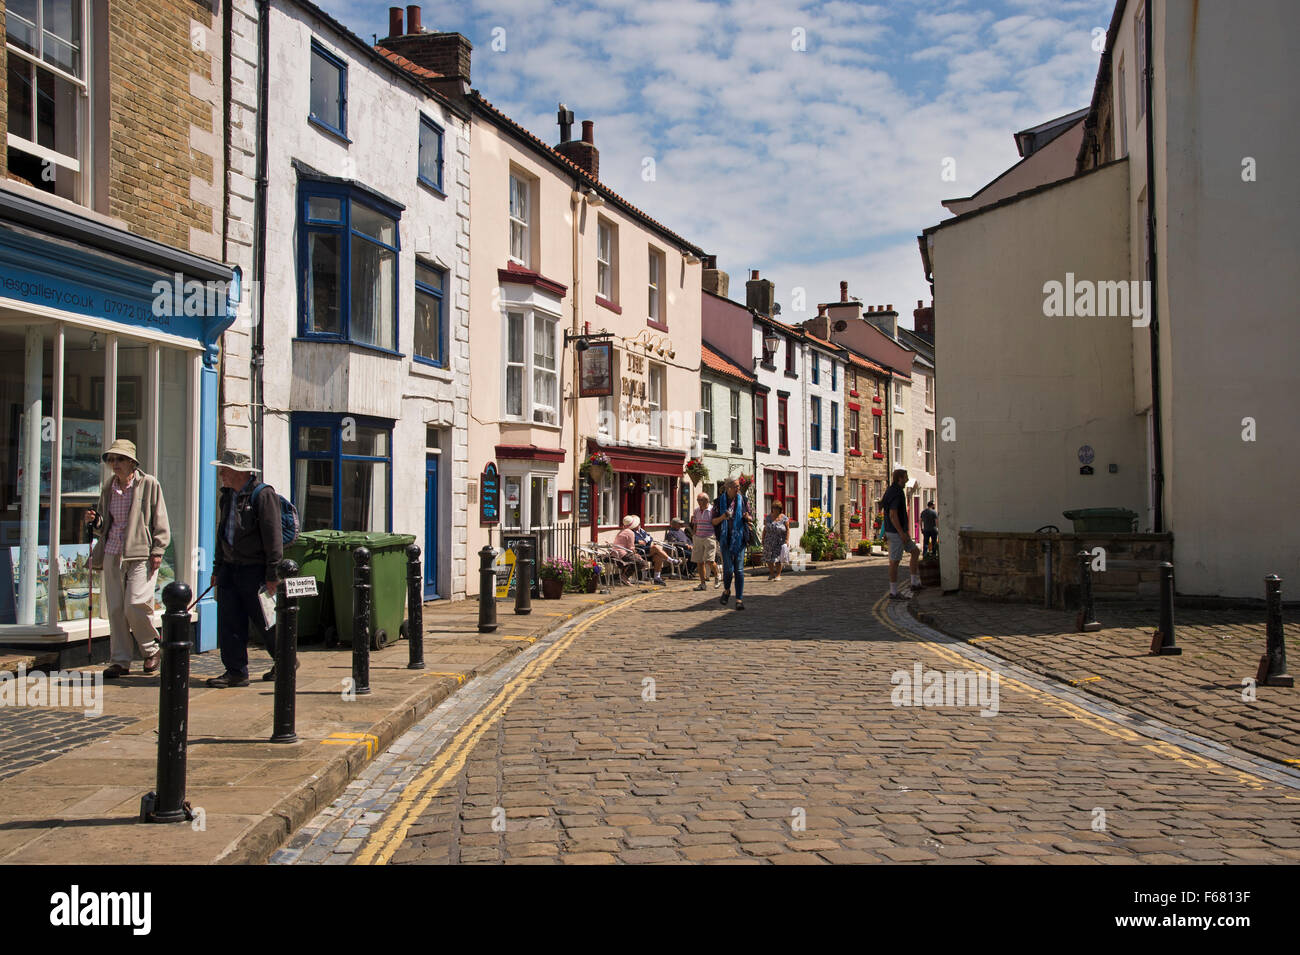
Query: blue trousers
(733, 565)
(237, 603)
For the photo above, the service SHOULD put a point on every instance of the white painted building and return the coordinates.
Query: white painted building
(357, 405)
(779, 406)
(823, 405)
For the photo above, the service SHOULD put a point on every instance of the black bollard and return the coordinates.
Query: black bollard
(1162, 644)
(487, 590)
(524, 578)
(414, 608)
(1272, 665)
(1087, 619)
(167, 803)
(361, 621)
(286, 659)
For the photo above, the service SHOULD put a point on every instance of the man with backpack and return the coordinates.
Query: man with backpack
(250, 545)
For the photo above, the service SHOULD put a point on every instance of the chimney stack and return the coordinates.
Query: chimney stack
(447, 54)
(582, 153)
(760, 294)
(713, 279)
(923, 321)
(844, 291)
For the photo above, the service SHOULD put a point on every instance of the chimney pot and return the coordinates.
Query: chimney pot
(413, 19)
(918, 303)
(889, 307)
(395, 21)
(589, 131)
(821, 311)
(753, 275)
(844, 291)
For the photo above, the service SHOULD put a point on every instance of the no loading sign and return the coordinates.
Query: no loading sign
(1086, 454)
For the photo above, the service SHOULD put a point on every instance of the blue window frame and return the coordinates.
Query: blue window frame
(329, 91)
(816, 368)
(342, 471)
(348, 254)
(430, 172)
(815, 425)
(430, 343)
(835, 427)
(835, 376)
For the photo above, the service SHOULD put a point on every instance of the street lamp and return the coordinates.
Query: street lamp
(584, 341)
(770, 342)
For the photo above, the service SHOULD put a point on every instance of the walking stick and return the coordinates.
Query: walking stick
(90, 594)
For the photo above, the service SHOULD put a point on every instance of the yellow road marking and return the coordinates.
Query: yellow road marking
(417, 795)
(349, 739)
(978, 639)
(529, 639)
(1086, 679)
(460, 677)
(1086, 717)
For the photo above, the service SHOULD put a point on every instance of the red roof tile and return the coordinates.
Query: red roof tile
(723, 365)
(398, 60)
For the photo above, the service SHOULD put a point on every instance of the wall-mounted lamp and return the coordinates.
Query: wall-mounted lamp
(584, 341)
(94, 341)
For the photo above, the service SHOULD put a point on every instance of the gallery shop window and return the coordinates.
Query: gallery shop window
(532, 381)
(329, 90)
(49, 95)
(342, 472)
(606, 257)
(107, 386)
(430, 346)
(431, 136)
(348, 250)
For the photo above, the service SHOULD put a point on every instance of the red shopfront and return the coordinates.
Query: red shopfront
(646, 482)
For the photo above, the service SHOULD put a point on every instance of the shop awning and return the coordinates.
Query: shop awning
(644, 460)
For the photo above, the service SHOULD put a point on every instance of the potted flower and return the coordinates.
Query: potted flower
(595, 467)
(863, 548)
(554, 574)
(697, 471)
(930, 570)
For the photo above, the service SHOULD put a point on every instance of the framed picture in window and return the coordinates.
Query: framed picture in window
(596, 370)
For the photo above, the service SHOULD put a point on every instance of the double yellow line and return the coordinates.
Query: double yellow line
(415, 798)
(1087, 717)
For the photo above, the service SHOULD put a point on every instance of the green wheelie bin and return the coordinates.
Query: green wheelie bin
(311, 553)
(387, 581)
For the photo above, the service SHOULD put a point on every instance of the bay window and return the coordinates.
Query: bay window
(532, 379)
(348, 244)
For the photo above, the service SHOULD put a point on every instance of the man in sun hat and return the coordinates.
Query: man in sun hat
(249, 550)
(131, 536)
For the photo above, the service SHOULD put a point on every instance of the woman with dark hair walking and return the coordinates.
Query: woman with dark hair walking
(732, 518)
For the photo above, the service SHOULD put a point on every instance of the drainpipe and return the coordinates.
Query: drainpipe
(1153, 330)
(257, 406)
(575, 203)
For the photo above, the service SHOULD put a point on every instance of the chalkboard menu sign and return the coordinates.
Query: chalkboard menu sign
(584, 503)
(511, 543)
(489, 501)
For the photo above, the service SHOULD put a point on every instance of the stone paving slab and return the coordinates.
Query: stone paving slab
(78, 801)
(1201, 689)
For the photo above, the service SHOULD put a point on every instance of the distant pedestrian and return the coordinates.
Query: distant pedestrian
(893, 507)
(776, 538)
(249, 550)
(132, 534)
(732, 521)
(929, 529)
(704, 545)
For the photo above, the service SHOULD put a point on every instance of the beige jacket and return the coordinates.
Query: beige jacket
(147, 531)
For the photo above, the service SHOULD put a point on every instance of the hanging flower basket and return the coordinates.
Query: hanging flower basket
(596, 467)
(697, 471)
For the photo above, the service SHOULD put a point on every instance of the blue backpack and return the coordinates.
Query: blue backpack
(290, 523)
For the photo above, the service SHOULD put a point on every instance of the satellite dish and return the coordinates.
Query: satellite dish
(776, 308)
(841, 325)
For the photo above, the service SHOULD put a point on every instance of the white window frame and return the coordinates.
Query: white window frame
(655, 400)
(607, 514)
(520, 214)
(529, 315)
(657, 500)
(1140, 58)
(655, 297)
(735, 418)
(929, 451)
(898, 448)
(78, 164)
(929, 392)
(605, 245)
(706, 405)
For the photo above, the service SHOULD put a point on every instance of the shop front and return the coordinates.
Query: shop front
(646, 482)
(103, 335)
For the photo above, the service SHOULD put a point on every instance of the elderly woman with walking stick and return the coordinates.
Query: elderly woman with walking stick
(131, 530)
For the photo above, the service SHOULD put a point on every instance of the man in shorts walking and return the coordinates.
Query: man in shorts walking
(894, 521)
(704, 543)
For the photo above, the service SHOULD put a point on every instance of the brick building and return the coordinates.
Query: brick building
(112, 289)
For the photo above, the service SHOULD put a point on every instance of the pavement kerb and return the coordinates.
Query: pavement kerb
(1092, 689)
(255, 845)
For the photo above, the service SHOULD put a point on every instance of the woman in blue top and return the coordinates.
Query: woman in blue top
(732, 519)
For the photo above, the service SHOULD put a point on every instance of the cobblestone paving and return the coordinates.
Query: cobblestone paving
(1200, 689)
(674, 730)
(31, 736)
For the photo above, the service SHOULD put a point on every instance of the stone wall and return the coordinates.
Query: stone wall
(1009, 566)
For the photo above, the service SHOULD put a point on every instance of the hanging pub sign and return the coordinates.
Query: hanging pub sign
(489, 502)
(596, 370)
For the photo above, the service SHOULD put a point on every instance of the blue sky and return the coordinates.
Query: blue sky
(812, 165)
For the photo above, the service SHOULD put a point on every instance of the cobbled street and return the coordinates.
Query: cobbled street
(669, 729)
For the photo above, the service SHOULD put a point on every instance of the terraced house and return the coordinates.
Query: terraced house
(350, 188)
(113, 292)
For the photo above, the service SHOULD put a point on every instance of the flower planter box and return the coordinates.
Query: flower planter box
(929, 574)
(552, 588)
